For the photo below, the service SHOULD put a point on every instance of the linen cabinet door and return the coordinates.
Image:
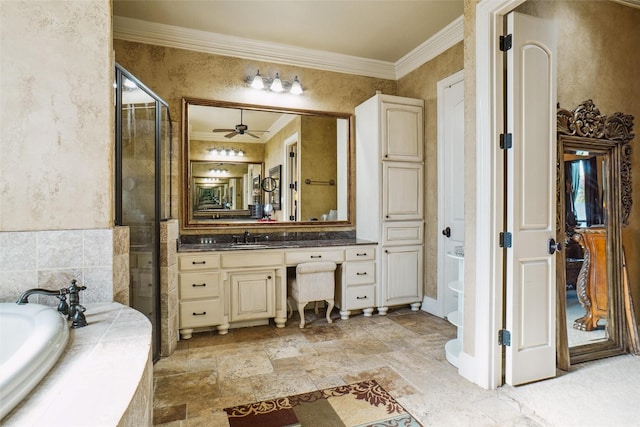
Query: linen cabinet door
(252, 295)
(401, 277)
(402, 131)
(402, 191)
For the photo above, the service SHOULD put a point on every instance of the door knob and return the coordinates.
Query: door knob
(553, 246)
(447, 232)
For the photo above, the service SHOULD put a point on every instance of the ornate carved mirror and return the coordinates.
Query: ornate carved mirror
(594, 202)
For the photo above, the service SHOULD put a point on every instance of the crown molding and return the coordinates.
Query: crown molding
(441, 41)
(136, 30)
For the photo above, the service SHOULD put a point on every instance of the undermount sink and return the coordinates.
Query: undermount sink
(249, 246)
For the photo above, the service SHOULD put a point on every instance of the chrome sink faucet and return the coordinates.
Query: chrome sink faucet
(74, 311)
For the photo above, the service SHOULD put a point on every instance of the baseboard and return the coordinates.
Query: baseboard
(431, 306)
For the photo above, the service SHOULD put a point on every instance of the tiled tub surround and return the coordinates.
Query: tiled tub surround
(104, 377)
(97, 258)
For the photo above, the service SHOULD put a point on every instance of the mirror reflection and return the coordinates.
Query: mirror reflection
(586, 177)
(233, 150)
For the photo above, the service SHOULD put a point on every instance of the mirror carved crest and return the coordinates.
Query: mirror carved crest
(586, 121)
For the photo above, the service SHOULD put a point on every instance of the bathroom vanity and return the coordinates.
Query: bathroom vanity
(225, 285)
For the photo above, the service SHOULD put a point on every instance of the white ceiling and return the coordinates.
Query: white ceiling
(365, 37)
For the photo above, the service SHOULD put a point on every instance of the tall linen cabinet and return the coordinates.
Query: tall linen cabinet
(389, 194)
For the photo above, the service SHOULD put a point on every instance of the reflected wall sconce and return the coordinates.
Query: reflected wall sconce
(276, 84)
(226, 152)
(219, 172)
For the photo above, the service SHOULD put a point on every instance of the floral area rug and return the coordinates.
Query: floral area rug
(355, 405)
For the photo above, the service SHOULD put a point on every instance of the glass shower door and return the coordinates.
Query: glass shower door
(143, 132)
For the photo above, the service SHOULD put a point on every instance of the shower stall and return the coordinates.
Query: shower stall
(142, 188)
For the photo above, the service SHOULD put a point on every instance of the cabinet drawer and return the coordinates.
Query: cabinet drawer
(361, 297)
(358, 273)
(194, 314)
(297, 257)
(198, 262)
(402, 233)
(199, 285)
(360, 253)
(252, 258)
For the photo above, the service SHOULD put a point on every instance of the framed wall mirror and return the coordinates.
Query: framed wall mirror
(594, 202)
(229, 149)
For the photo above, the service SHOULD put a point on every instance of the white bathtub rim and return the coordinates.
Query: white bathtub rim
(39, 353)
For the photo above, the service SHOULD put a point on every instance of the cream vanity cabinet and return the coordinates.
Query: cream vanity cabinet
(243, 288)
(256, 286)
(200, 293)
(389, 194)
(356, 285)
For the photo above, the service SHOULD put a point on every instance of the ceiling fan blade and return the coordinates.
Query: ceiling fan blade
(250, 134)
(223, 130)
(231, 135)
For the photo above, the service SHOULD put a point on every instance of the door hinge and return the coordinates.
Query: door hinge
(292, 218)
(292, 154)
(505, 239)
(504, 337)
(292, 186)
(506, 42)
(506, 141)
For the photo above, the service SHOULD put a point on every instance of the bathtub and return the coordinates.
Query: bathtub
(33, 337)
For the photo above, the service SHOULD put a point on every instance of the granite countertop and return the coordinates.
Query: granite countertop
(268, 244)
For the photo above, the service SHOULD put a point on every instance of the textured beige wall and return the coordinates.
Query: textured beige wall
(599, 59)
(422, 83)
(176, 73)
(56, 116)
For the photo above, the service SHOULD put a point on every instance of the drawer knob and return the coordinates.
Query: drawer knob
(361, 254)
(316, 256)
(361, 274)
(195, 285)
(200, 314)
(364, 297)
(198, 262)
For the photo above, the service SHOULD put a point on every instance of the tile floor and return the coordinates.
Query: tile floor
(403, 351)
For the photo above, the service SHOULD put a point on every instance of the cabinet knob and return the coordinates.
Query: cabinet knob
(364, 297)
(198, 262)
(269, 277)
(200, 314)
(316, 256)
(361, 254)
(195, 285)
(361, 274)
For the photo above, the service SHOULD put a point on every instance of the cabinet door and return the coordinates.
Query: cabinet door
(402, 191)
(401, 275)
(252, 295)
(402, 131)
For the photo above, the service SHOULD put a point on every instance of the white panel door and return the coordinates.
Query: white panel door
(450, 186)
(531, 199)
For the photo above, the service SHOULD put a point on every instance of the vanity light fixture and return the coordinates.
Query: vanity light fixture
(276, 84)
(226, 152)
(218, 172)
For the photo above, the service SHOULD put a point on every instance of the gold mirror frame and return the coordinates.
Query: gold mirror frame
(586, 129)
(189, 224)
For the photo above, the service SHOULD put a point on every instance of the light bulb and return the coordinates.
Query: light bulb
(296, 87)
(276, 86)
(257, 82)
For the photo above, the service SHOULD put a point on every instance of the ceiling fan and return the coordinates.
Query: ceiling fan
(240, 129)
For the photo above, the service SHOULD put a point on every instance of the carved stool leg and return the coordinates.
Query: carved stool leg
(301, 306)
(329, 308)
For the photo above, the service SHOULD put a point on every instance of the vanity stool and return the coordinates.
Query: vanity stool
(314, 281)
